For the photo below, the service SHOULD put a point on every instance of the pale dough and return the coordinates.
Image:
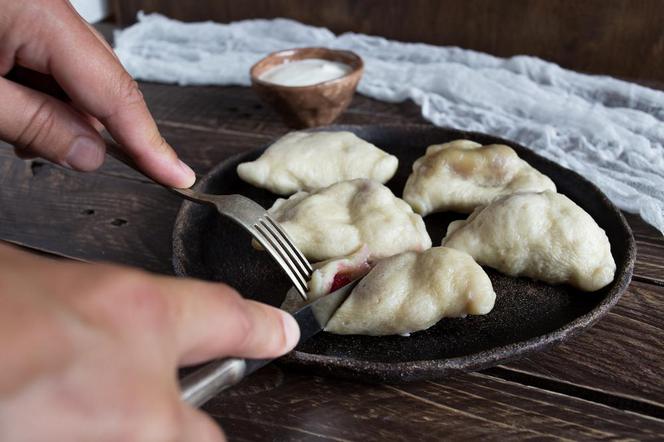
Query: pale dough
(337, 220)
(313, 160)
(413, 291)
(544, 236)
(334, 273)
(461, 175)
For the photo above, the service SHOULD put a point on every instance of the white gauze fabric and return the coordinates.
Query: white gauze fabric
(610, 131)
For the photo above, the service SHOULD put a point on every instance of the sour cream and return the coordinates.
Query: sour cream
(305, 72)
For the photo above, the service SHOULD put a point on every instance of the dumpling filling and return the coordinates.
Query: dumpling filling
(410, 292)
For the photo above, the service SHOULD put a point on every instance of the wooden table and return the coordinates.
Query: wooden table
(605, 384)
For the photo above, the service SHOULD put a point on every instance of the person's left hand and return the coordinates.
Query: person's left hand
(46, 51)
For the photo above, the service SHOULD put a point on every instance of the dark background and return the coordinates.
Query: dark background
(624, 38)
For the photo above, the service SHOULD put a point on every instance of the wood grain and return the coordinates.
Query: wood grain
(88, 216)
(84, 210)
(238, 110)
(650, 250)
(622, 354)
(466, 407)
(115, 215)
(617, 37)
(237, 114)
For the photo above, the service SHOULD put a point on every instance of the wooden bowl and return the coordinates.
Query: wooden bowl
(308, 106)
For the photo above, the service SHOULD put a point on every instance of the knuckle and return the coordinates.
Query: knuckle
(127, 297)
(143, 298)
(128, 91)
(243, 327)
(281, 332)
(160, 144)
(126, 94)
(38, 127)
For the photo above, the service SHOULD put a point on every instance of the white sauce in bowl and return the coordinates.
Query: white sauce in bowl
(305, 72)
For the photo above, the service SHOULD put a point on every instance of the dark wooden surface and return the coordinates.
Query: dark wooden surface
(604, 384)
(618, 37)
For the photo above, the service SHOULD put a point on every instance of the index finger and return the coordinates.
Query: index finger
(212, 320)
(98, 84)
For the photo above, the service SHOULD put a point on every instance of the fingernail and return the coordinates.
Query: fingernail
(191, 176)
(85, 154)
(291, 330)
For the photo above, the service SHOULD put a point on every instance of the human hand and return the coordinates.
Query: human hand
(46, 44)
(90, 352)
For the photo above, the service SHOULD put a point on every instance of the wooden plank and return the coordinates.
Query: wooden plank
(622, 354)
(649, 251)
(200, 109)
(616, 37)
(466, 407)
(77, 215)
(58, 219)
(88, 216)
(204, 130)
(238, 109)
(203, 151)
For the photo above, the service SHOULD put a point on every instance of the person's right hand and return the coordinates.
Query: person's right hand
(90, 352)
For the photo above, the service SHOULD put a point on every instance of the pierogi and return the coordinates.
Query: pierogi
(544, 236)
(313, 160)
(337, 220)
(334, 273)
(410, 292)
(461, 175)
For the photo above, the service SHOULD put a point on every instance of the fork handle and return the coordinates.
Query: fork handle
(215, 377)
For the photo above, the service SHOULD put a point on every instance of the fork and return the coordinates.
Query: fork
(271, 236)
(253, 218)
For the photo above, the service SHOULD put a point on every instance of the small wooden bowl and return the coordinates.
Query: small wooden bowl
(308, 106)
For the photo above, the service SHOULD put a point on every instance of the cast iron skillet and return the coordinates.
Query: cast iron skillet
(528, 315)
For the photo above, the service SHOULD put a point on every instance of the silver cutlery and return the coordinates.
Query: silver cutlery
(253, 218)
(214, 377)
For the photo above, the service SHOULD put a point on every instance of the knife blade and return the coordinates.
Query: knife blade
(216, 376)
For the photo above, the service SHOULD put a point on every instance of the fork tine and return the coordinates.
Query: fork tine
(264, 237)
(276, 243)
(288, 246)
(295, 252)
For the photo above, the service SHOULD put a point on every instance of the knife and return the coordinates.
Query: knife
(216, 376)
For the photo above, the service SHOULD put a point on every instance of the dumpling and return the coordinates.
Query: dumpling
(413, 291)
(337, 220)
(313, 160)
(461, 175)
(544, 236)
(334, 273)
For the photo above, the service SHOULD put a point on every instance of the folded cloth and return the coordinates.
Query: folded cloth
(610, 131)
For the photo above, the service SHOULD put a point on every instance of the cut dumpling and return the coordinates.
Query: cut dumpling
(544, 236)
(337, 220)
(334, 273)
(413, 291)
(329, 276)
(461, 175)
(313, 160)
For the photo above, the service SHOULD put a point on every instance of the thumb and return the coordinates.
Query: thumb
(40, 125)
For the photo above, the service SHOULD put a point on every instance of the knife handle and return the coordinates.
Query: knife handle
(215, 377)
